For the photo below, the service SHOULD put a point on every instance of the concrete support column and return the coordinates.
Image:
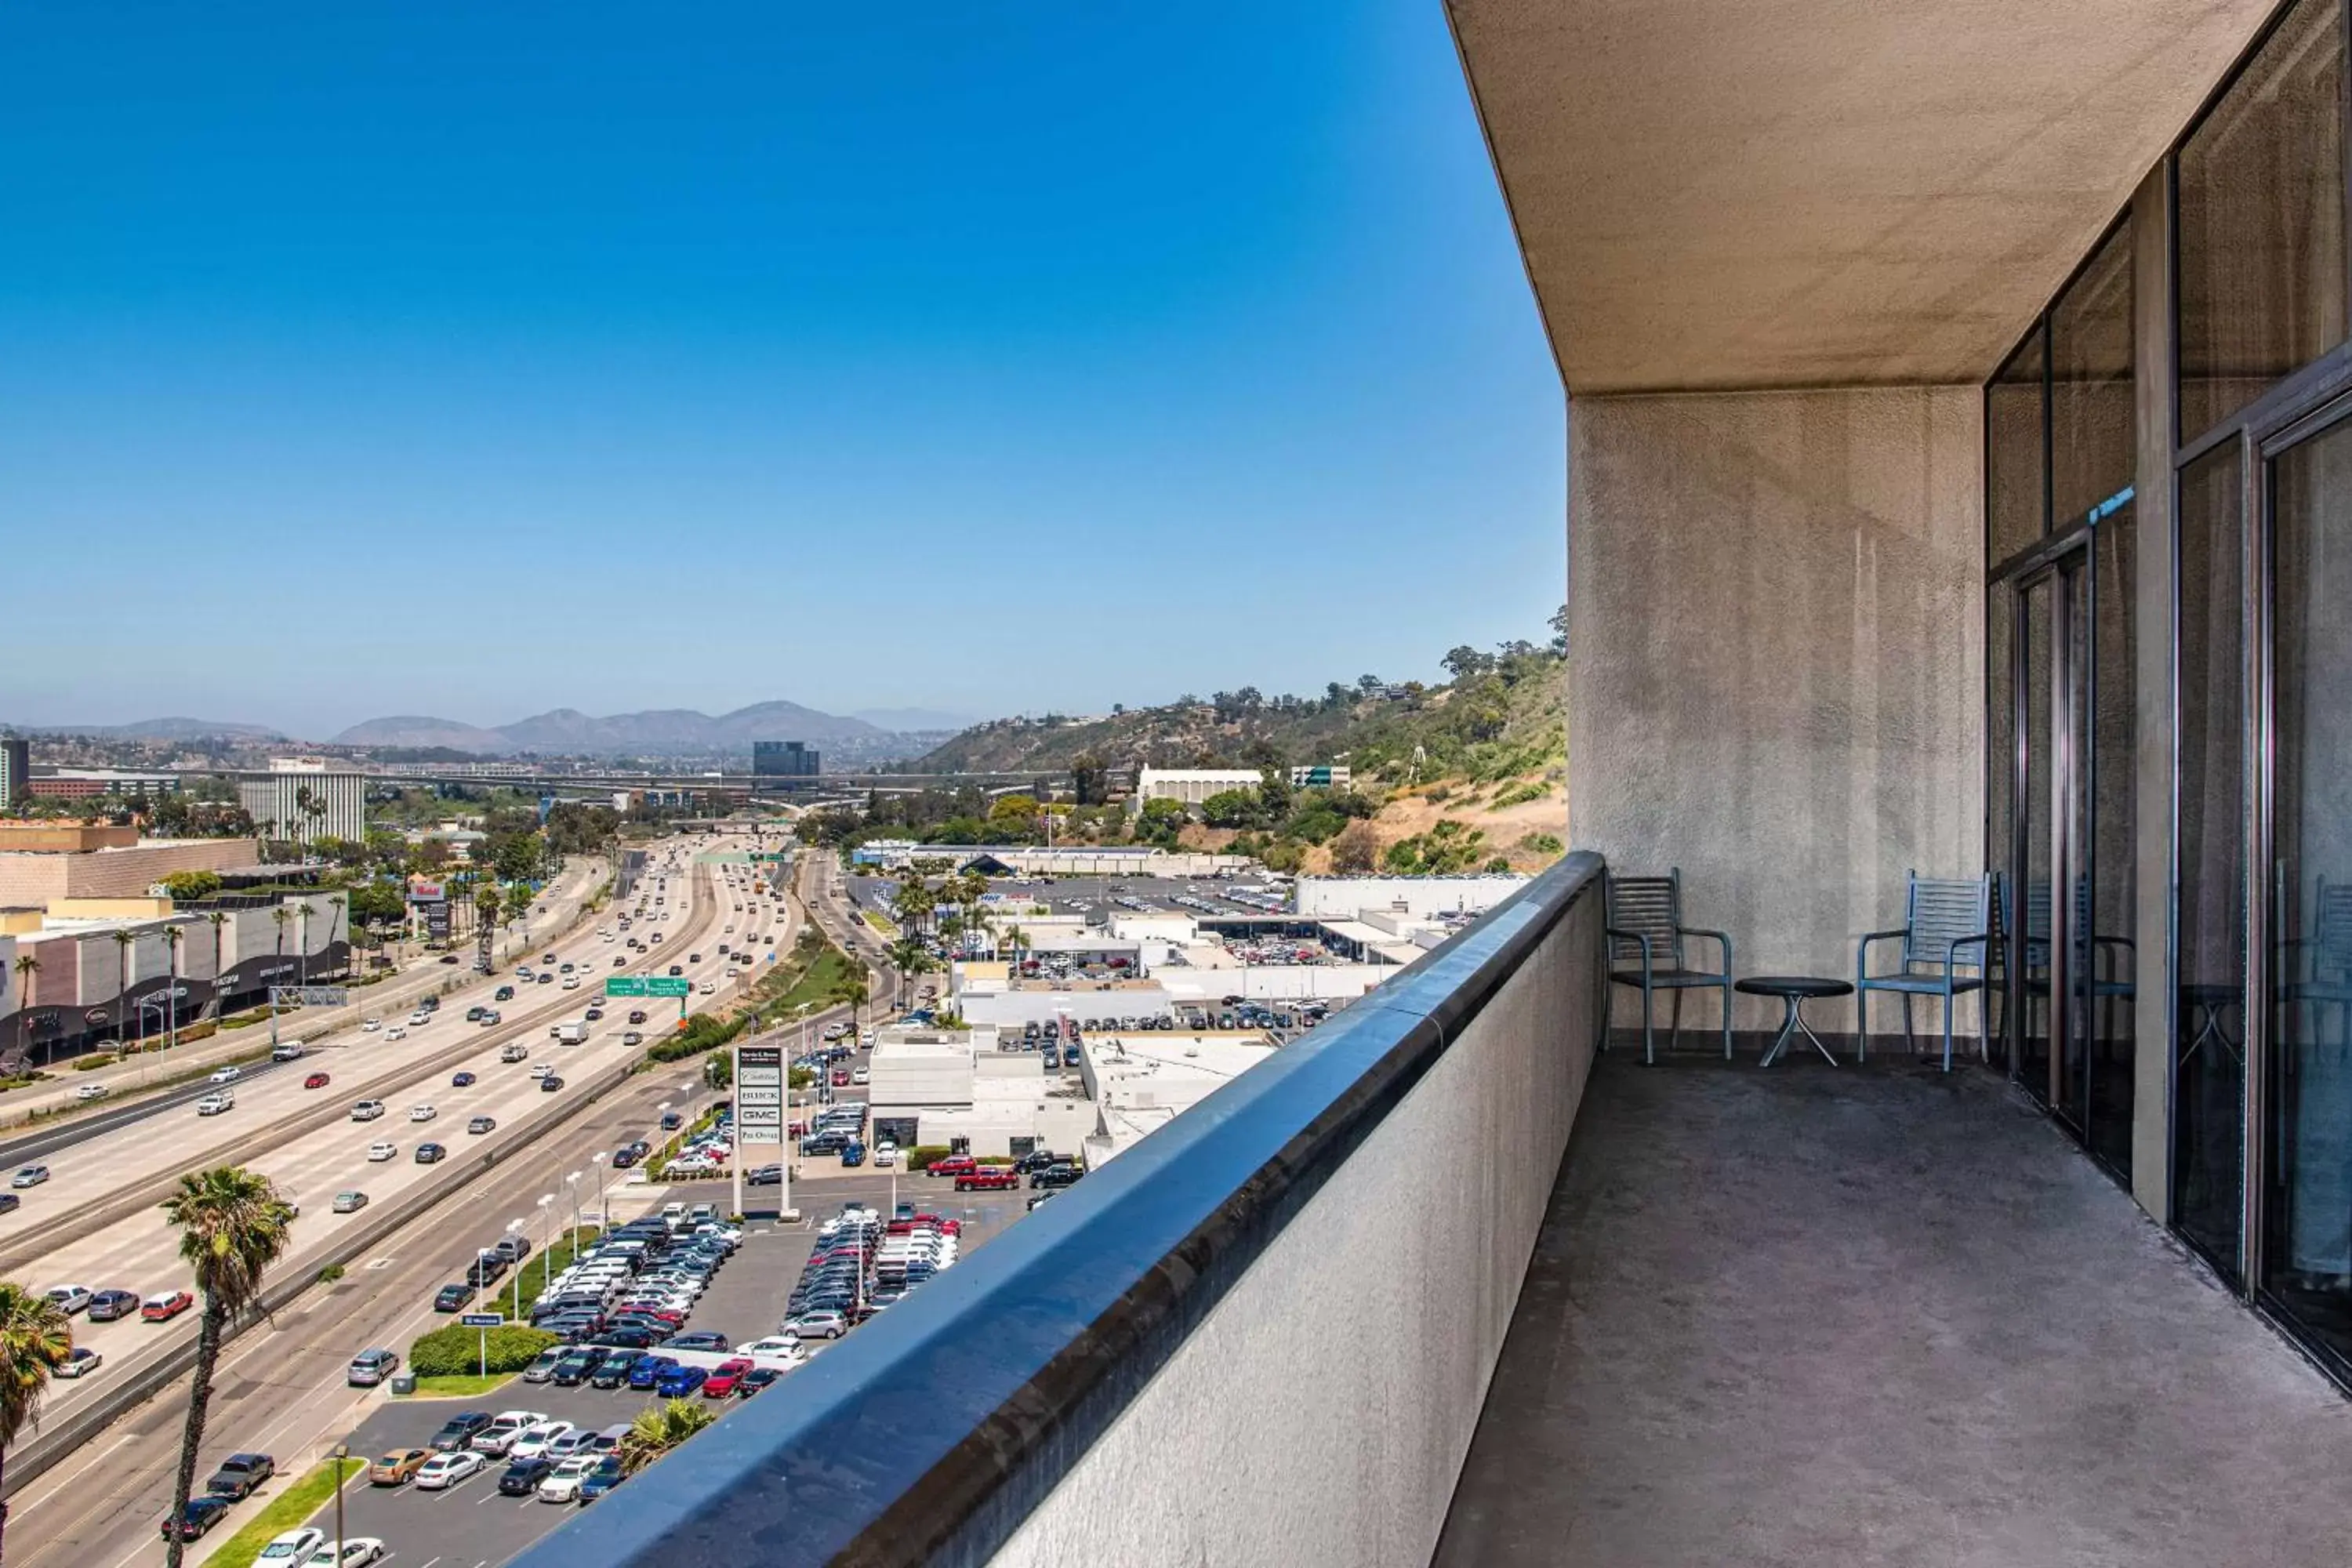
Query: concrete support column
(1776, 664)
(2154, 807)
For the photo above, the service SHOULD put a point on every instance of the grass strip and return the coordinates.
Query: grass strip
(283, 1512)
(461, 1385)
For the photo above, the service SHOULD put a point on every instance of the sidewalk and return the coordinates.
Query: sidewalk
(564, 904)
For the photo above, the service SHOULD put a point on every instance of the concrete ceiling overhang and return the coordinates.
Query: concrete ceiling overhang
(1721, 194)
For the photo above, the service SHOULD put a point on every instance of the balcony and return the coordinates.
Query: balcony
(1442, 1283)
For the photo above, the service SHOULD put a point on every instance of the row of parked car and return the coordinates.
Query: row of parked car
(557, 1461)
(637, 1285)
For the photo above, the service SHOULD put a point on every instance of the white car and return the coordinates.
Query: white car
(359, 1550)
(445, 1470)
(225, 1075)
(367, 1111)
(885, 1156)
(495, 1438)
(420, 1113)
(69, 1299)
(419, 1018)
(369, 1025)
(290, 1550)
(562, 1483)
(533, 1440)
(707, 989)
(776, 1347)
(397, 1032)
(379, 1152)
(90, 1091)
(80, 1360)
(214, 1104)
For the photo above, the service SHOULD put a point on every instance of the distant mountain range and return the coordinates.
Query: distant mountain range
(162, 730)
(658, 731)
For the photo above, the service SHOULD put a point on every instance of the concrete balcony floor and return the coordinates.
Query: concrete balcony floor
(1815, 1316)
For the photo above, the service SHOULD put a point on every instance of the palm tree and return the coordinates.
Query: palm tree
(123, 942)
(302, 913)
(27, 966)
(335, 904)
(233, 1225)
(216, 919)
(659, 1428)
(278, 917)
(173, 937)
(34, 1339)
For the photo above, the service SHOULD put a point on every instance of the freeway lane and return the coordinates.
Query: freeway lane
(97, 1124)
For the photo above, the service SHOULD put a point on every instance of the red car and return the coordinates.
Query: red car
(841, 1077)
(954, 1165)
(989, 1179)
(162, 1308)
(727, 1378)
(316, 1081)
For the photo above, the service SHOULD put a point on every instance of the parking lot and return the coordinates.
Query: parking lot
(470, 1525)
(1101, 896)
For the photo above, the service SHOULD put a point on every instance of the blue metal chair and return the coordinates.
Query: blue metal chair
(1643, 916)
(1946, 926)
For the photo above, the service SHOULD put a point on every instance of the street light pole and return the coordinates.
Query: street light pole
(343, 1452)
(546, 1270)
(516, 1228)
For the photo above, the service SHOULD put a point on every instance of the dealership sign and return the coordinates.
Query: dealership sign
(760, 1094)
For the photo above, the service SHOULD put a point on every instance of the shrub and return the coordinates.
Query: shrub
(1519, 794)
(331, 1273)
(921, 1156)
(94, 1060)
(1540, 844)
(456, 1350)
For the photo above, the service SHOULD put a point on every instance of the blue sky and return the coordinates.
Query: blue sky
(473, 361)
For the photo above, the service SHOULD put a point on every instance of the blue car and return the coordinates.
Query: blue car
(677, 1381)
(647, 1372)
(600, 1481)
(853, 1155)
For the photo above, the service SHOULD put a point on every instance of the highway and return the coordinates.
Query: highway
(137, 1253)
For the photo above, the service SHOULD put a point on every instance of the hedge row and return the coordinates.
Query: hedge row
(456, 1350)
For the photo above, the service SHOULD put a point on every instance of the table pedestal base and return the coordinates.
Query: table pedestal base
(1793, 1022)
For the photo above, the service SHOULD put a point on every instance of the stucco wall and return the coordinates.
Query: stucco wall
(1387, 1296)
(1776, 661)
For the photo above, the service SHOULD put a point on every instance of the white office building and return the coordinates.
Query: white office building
(1192, 785)
(307, 799)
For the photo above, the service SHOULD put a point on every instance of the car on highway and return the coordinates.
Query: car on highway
(349, 1201)
(68, 1298)
(229, 1074)
(357, 1552)
(379, 1152)
(522, 1478)
(291, 1051)
(636, 1015)
(215, 1104)
(369, 1025)
(29, 1176)
(398, 1467)
(764, 1176)
(107, 1306)
(677, 969)
(316, 1081)
(473, 1014)
(90, 1091)
(291, 1549)
(503, 994)
(367, 1111)
(427, 1153)
(164, 1306)
(550, 1083)
(514, 1053)
(202, 1514)
(452, 1297)
(481, 1124)
(448, 1468)
(421, 1113)
(80, 1361)
(633, 1038)
(462, 1081)
(490, 1020)
(397, 1032)
(371, 1367)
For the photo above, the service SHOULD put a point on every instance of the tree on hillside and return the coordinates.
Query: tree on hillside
(1356, 850)
(1465, 661)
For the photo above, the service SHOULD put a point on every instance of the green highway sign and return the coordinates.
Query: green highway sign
(625, 985)
(666, 986)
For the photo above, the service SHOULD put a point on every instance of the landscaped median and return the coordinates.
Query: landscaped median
(283, 1512)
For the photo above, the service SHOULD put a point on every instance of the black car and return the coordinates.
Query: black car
(108, 1306)
(452, 1298)
(758, 1378)
(550, 1084)
(461, 1080)
(700, 1339)
(636, 1015)
(613, 1371)
(238, 1475)
(1054, 1176)
(1036, 1160)
(485, 1268)
(522, 1477)
(578, 1367)
(628, 1338)
(594, 1014)
(204, 1512)
(458, 1431)
(427, 1153)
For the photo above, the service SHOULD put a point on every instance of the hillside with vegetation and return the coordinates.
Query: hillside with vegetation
(1466, 774)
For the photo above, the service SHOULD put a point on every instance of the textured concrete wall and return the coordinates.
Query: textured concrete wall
(1320, 1413)
(1775, 660)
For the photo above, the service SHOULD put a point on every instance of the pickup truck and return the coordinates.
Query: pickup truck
(988, 1179)
(239, 1475)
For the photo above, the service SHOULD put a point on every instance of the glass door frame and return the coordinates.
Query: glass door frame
(2056, 563)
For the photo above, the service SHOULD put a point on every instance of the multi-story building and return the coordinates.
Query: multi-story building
(86, 784)
(15, 769)
(305, 798)
(782, 760)
(1322, 776)
(1191, 786)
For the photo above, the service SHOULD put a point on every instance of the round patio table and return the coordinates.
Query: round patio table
(1794, 991)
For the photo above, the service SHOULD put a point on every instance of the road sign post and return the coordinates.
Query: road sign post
(484, 1321)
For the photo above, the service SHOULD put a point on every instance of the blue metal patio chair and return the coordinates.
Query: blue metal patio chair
(1643, 916)
(1946, 926)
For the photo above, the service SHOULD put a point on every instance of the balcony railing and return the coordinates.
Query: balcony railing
(1263, 1335)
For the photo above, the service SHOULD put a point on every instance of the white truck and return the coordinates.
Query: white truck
(572, 1033)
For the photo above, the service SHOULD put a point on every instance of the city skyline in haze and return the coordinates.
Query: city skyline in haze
(406, 361)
